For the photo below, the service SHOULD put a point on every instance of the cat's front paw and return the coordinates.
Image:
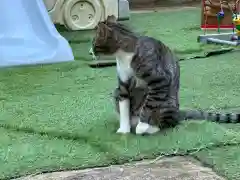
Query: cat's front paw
(144, 128)
(124, 130)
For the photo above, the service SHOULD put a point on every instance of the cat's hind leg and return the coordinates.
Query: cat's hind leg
(145, 128)
(134, 121)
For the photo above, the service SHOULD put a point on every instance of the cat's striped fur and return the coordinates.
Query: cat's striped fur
(148, 76)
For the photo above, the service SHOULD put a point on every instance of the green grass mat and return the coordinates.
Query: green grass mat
(61, 116)
(225, 160)
(178, 29)
(22, 152)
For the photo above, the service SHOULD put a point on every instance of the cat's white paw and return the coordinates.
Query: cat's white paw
(144, 128)
(153, 129)
(124, 130)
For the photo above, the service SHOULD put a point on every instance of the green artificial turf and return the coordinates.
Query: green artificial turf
(61, 116)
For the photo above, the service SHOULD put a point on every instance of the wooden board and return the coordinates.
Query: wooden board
(210, 8)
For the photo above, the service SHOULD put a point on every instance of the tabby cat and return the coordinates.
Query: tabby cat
(147, 96)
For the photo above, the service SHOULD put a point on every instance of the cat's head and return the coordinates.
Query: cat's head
(104, 41)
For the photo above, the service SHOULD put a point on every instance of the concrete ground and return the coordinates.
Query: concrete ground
(174, 168)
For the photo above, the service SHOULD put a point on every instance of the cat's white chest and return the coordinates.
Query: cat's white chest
(124, 70)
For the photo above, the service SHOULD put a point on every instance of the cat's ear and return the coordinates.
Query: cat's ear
(102, 28)
(111, 19)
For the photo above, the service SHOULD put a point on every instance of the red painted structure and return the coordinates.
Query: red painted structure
(209, 17)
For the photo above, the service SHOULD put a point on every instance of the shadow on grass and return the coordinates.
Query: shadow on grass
(192, 28)
(188, 51)
(93, 141)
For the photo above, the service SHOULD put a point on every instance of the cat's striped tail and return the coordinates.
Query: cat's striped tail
(209, 116)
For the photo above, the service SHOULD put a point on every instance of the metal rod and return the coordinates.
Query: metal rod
(219, 41)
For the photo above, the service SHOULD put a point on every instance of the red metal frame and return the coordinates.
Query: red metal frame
(215, 26)
(210, 26)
